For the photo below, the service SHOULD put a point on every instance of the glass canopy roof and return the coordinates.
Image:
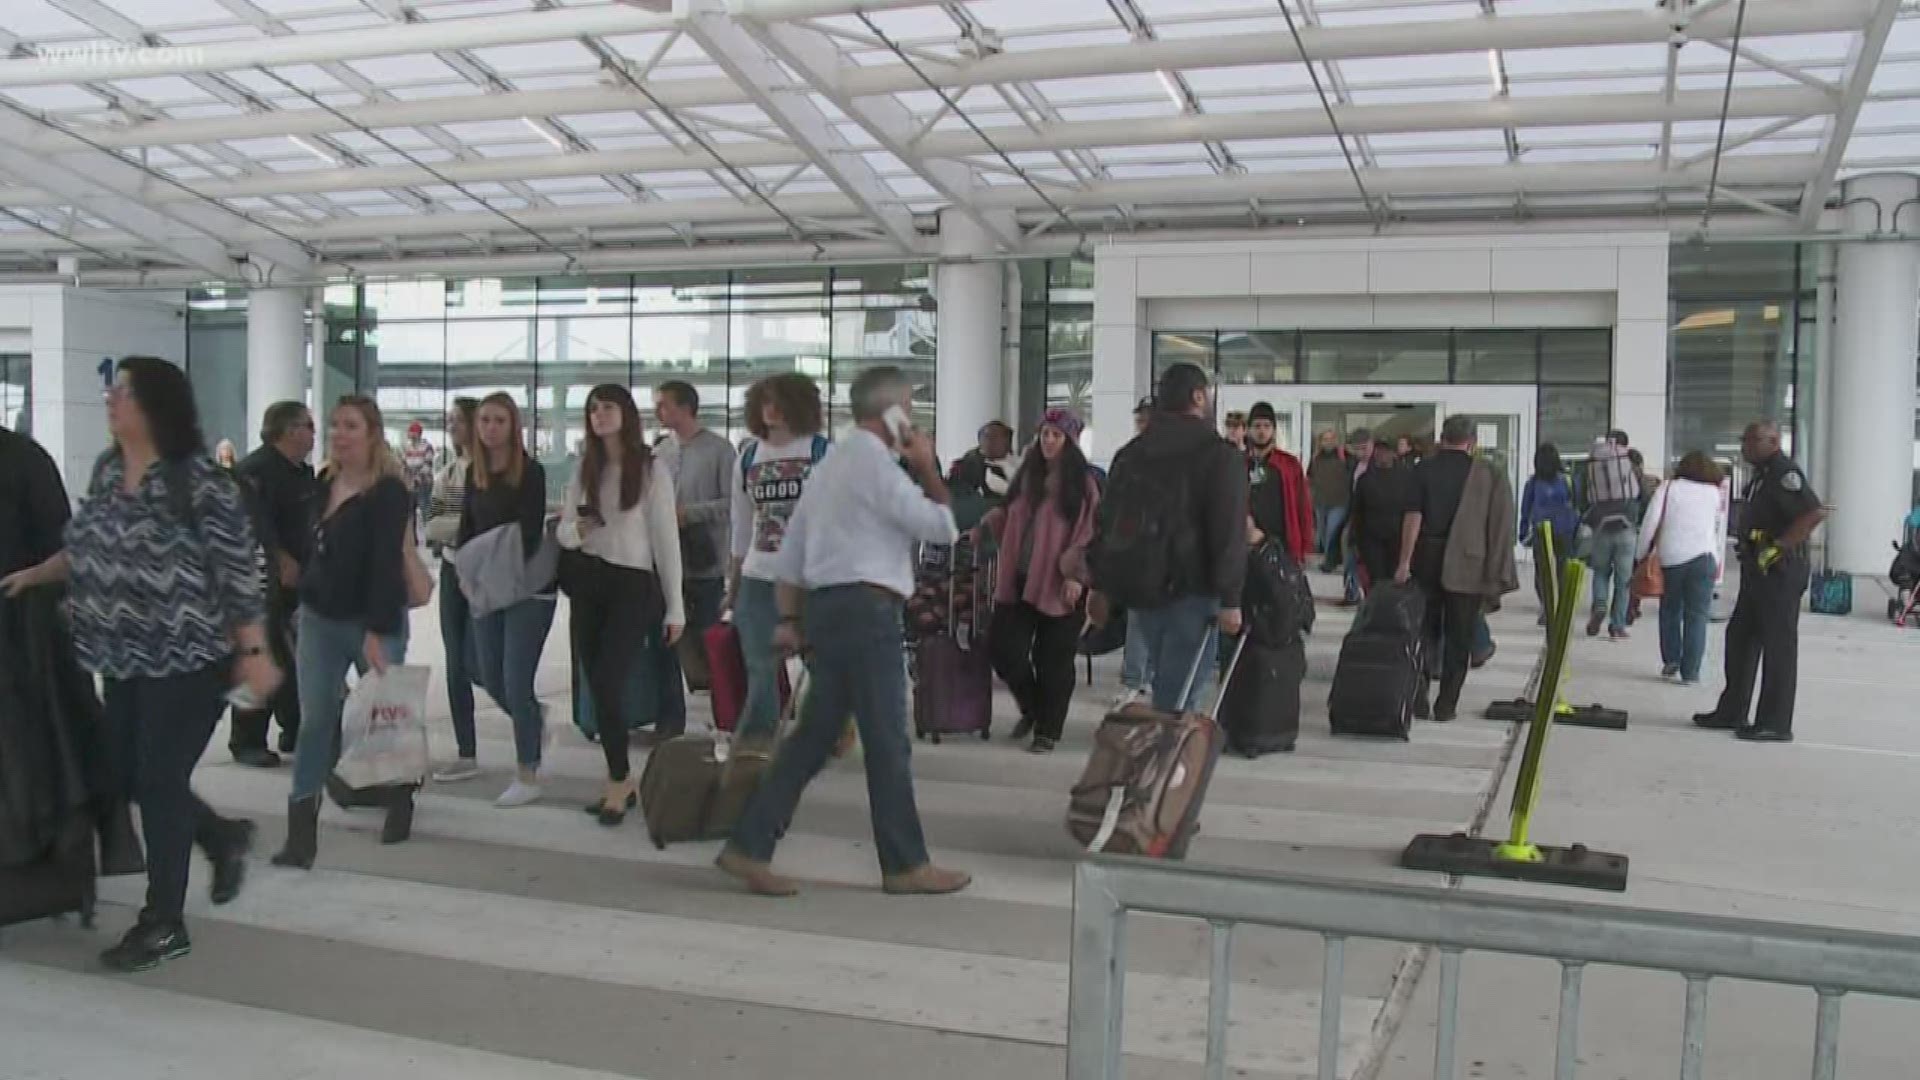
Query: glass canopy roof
(321, 138)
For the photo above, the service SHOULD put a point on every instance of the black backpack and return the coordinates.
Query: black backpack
(1146, 543)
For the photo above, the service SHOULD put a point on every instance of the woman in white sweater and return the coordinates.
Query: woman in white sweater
(1686, 530)
(623, 573)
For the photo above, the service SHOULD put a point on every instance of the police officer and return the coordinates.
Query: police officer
(1765, 629)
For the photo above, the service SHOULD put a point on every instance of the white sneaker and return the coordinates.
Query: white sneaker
(459, 769)
(1126, 698)
(518, 793)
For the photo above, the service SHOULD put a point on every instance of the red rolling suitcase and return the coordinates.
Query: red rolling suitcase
(727, 663)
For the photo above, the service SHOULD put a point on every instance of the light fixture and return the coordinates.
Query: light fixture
(314, 150)
(1173, 89)
(543, 132)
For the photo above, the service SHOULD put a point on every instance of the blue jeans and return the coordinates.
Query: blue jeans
(1610, 554)
(327, 650)
(1350, 577)
(702, 597)
(1175, 636)
(456, 634)
(1136, 672)
(756, 614)
(859, 665)
(1684, 611)
(508, 644)
(1327, 523)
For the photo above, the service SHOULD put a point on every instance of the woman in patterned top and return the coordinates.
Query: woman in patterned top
(166, 608)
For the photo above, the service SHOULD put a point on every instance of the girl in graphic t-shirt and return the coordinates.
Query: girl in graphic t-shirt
(784, 416)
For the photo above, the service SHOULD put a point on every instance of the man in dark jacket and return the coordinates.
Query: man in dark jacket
(33, 504)
(280, 493)
(1195, 473)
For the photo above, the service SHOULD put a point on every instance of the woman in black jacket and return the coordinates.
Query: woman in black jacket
(1380, 498)
(506, 486)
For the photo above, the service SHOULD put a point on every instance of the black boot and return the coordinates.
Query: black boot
(303, 834)
(227, 844)
(399, 824)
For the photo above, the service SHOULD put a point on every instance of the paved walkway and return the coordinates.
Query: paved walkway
(532, 943)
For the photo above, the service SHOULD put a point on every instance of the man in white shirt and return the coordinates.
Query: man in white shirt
(845, 570)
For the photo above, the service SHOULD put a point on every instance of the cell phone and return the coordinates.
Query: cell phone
(896, 420)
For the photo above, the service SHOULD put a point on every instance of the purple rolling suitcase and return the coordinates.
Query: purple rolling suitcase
(953, 689)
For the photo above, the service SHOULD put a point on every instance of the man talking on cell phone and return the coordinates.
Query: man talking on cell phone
(844, 573)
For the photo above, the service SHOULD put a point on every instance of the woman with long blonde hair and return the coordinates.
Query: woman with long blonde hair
(353, 610)
(506, 486)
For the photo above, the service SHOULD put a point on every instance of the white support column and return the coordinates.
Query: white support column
(276, 350)
(1877, 322)
(967, 382)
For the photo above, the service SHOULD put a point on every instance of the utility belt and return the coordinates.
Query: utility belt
(1757, 541)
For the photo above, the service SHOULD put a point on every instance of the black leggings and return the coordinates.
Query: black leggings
(615, 611)
(1033, 654)
(156, 731)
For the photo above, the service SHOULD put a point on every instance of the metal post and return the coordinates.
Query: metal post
(1826, 1036)
(1446, 1029)
(1220, 986)
(1332, 993)
(1693, 1039)
(1095, 978)
(1566, 1060)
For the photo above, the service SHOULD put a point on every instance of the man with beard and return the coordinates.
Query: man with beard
(1278, 500)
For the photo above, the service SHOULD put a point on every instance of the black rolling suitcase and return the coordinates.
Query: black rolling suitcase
(63, 882)
(1379, 675)
(1260, 710)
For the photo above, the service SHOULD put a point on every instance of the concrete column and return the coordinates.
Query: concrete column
(968, 382)
(1877, 322)
(276, 351)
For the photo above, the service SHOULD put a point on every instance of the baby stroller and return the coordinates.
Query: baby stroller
(1905, 575)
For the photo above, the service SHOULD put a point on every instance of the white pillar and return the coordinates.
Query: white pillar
(1877, 322)
(276, 351)
(968, 381)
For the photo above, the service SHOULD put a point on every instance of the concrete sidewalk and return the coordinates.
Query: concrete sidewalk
(1815, 833)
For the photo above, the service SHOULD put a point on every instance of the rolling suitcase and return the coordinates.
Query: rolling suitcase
(1260, 705)
(1147, 777)
(1379, 678)
(727, 663)
(952, 690)
(696, 786)
(62, 882)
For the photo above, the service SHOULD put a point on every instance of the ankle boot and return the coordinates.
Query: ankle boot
(399, 824)
(303, 834)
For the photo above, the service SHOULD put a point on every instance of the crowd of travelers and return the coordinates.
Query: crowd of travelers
(264, 586)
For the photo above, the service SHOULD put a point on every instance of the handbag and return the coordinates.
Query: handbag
(419, 579)
(1649, 579)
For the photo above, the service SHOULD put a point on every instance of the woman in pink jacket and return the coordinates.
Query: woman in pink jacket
(1043, 530)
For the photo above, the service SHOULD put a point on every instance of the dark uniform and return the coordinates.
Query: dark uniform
(1764, 632)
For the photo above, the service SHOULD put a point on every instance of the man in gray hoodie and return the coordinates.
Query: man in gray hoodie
(704, 469)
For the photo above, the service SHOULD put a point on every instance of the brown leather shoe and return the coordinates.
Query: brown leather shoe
(928, 880)
(758, 877)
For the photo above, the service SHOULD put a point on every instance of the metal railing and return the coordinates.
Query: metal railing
(1700, 948)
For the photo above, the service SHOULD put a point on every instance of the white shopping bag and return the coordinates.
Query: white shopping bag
(383, 729)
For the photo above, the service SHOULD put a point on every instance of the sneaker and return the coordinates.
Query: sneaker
(1670, 671)
(147, 946)
(518, 793)
(458, 769)
(1041, 745)
(1618, 633)
(1126, 698)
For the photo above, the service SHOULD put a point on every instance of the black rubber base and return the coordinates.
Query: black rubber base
(1463, 854)
(1520, 711)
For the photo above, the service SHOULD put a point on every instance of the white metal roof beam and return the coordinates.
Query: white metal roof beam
(1384, 40)
(1833, 145)
(108, 187)
(1793, 103)
(742, 57)
(814, 56)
